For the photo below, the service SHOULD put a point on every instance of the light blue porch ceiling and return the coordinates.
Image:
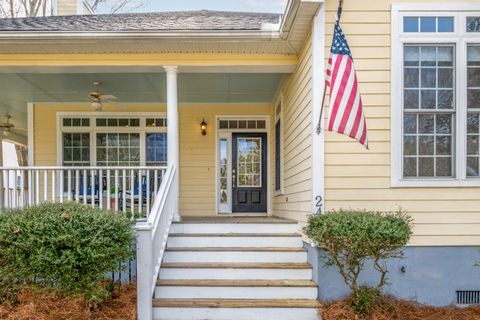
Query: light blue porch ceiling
(16, 90)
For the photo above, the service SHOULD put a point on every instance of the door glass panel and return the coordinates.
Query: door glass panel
(249, 159)
(223, 170)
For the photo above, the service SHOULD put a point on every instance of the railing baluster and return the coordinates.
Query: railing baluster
(124, 191)
(7, 180)
(132, 194)
(85, 177)
(148, 194)
(61, 185)
(77, 185)
(109, 196)
(22, 189)
(140, 193)
(155, 182)
(14, 197)
(37, 187)
(30, 188)
(69, 185)
(92, 186)
(45, 185)
(116, 190)
(100, 187)
(53, 185)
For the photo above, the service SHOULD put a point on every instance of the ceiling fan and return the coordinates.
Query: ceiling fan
(8, 128)
(98, 98)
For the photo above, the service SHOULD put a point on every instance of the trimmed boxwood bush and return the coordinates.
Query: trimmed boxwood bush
(353, 237)
(67, 246)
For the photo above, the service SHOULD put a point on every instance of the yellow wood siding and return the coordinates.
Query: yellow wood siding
(357, 178)
(296, 97)
(197, 152)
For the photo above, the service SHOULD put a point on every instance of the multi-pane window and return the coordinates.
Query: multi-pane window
(473, 110)
(76, 149)
(114, 141)
(118, 149)
(241, 124)
(278, 149)
(223, 168)
(249, 160)
(429, 111)
(156, 144)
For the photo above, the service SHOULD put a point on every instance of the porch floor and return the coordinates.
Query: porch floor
(233, 219)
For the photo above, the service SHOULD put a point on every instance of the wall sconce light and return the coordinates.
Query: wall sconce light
(203, 126)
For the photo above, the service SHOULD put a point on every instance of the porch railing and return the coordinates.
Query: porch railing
(131, 190)
(152, 234)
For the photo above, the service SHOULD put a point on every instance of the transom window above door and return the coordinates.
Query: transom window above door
(113, 139)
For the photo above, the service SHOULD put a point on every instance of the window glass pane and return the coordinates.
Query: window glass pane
(223, 166)
(428, 137)
(411, 55)
(156, 145)
(428, 24)
(249, 162)
(473, 24)
(76, 149)
(445, 24)
(410, 24)
(473, 116)
(117, 149)
(101, 122)
(223, 124)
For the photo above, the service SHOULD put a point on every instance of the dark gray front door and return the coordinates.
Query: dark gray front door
(249, 172)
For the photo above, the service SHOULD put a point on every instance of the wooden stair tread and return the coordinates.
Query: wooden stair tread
(231, 234)
(235, 303)
(222, 265)
(237, 249)
(235, 283)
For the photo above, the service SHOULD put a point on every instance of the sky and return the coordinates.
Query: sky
(276, 6)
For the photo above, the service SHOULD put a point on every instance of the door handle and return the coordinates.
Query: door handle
(234, 178)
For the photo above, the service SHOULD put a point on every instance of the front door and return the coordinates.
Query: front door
(249, 172)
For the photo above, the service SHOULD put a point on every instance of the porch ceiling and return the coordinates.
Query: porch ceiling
(17, 90)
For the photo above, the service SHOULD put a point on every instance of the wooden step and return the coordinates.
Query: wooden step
(235, 303)
(237, 283)
(253, 235)
(216, 265)
(246, 220)
(236, 249)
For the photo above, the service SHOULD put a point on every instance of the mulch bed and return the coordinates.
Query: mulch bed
(41, 305)
(389, 308)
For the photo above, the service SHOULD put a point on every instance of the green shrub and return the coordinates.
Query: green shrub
(351, 237)
(69, 246)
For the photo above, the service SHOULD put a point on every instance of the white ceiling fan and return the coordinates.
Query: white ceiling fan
(99, 98)
(8, 128)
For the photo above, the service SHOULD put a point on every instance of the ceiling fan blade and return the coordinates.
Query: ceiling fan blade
(20, 129)
(108, 97)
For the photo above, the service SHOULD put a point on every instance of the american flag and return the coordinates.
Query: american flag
(346, 112)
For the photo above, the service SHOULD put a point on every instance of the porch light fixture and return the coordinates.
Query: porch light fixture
(203, 126)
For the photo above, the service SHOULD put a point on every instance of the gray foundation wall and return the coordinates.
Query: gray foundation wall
(432, 275)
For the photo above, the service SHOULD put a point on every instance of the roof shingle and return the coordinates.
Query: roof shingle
(156, 21)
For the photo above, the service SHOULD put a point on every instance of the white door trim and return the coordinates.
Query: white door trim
(228, 133)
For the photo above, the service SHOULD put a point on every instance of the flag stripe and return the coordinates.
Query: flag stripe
(346, 108)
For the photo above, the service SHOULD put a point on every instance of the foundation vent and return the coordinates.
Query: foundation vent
(468, 297)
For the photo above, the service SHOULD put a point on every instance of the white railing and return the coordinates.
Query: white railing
(131, 190)
(152, 234)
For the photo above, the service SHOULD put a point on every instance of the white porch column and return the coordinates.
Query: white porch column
(172, 131)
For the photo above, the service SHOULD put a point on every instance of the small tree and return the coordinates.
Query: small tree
(352, 237)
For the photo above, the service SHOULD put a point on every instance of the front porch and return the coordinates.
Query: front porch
(116, 158)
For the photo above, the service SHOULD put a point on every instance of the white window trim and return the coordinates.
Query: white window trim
(279, 117)
(222, 133)
(93, 130)
(460, 38)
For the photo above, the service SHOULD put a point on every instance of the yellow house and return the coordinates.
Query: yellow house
(208, 119)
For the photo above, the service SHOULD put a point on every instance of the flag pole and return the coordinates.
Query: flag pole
(322, 106)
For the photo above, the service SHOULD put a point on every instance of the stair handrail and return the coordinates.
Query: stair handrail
(152, 234)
